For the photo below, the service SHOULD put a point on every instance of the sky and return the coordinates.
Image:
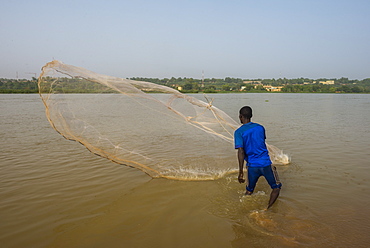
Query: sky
(163, 39)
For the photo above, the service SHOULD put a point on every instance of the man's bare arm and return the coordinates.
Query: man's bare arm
(241, 164)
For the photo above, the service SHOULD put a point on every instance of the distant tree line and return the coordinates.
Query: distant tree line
(191, 85)
(297, 85)
(18, 85)
(72, 85)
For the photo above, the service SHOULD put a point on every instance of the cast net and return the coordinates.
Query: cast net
(144, 125)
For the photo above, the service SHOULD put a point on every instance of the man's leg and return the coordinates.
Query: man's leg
(253, 175)
(272, 178)
(273, 196)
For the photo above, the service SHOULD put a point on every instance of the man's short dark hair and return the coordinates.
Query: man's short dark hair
(246, 112)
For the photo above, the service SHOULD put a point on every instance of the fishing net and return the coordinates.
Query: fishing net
(147, 126)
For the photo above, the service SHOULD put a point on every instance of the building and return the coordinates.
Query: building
(327, 82)
(273, 88)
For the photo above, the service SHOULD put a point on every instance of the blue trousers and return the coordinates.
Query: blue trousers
(270, 174)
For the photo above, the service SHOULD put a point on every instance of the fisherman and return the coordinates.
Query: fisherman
(250, 141)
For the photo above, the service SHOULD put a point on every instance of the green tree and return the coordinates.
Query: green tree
(226, 87)
(188, 86)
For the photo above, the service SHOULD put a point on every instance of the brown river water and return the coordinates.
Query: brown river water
(55, 193)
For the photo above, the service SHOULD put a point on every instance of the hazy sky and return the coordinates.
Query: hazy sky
(159, 38)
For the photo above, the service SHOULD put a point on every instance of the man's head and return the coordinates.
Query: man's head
(245, 114)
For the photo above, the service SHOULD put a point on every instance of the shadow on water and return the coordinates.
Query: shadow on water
(288, 223)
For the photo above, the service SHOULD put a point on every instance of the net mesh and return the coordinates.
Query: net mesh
(147, 126)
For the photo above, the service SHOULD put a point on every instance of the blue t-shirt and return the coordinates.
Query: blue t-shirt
(251, 137)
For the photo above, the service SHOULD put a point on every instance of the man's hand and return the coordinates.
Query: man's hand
(240, 178)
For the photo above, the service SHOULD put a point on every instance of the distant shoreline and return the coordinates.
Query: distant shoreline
(219, 92)
(208, 86)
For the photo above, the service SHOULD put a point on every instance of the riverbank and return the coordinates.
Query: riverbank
(227, 85)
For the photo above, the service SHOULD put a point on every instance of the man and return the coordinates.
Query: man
(250, 142)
